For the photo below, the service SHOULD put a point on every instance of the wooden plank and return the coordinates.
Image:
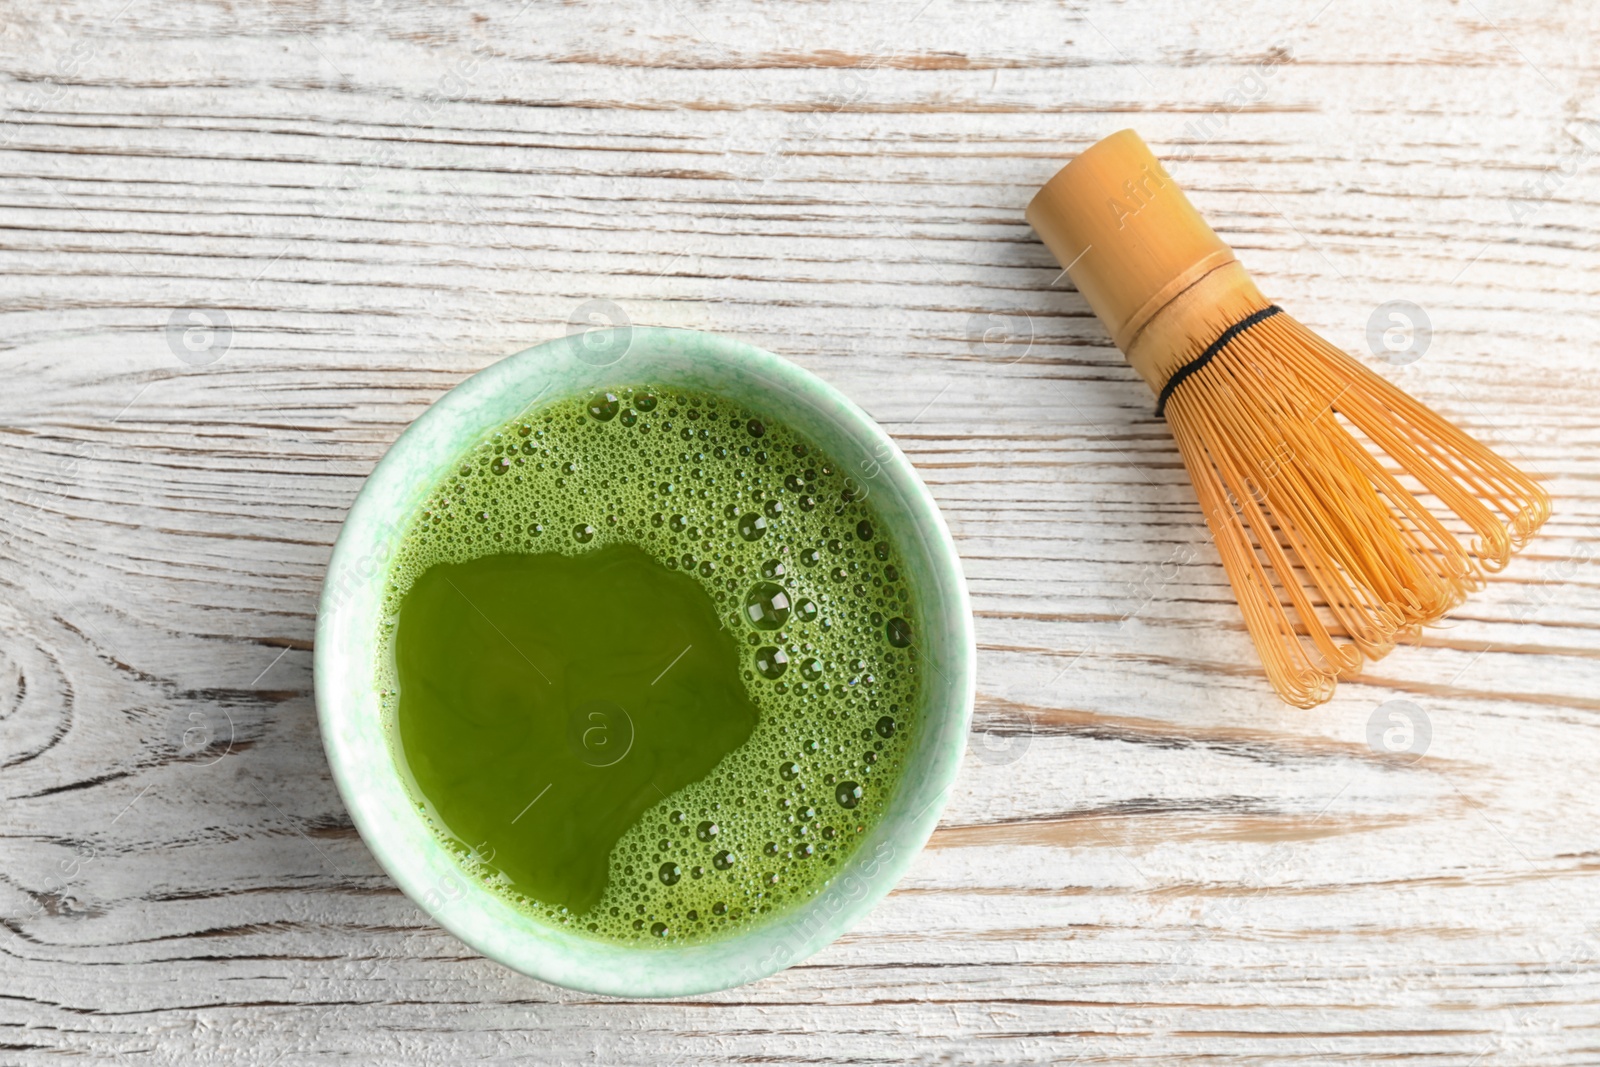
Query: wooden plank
(1148, 859)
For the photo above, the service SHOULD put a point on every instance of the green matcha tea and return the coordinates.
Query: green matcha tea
(649, 665)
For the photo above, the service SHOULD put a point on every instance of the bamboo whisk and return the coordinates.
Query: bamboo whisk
(1332, 556)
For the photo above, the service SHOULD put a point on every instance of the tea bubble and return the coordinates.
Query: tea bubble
(645, 402)
(885, 727)
(811, 669)
(605, 407)
(707, 830)
(583, 532)
(771, 662)
(722, 861)
(789, 770)
(767, 607)
(752, 526)
(848, 794)
(805, 610)
(898, 631)
(669, 873)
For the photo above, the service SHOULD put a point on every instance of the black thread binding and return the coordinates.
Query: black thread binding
(1216, 346)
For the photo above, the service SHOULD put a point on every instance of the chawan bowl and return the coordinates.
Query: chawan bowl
(348, 644)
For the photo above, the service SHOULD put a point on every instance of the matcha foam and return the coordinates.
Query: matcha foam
(807, 583)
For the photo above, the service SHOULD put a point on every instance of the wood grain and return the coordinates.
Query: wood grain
(1147, 860)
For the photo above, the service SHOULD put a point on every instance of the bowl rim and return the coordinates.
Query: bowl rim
(473, 913)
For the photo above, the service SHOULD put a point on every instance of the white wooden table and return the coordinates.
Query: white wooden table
(1148, 858)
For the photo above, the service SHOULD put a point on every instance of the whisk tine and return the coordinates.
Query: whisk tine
(1300, 454)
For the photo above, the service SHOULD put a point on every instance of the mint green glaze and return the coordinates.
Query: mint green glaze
(359, 749)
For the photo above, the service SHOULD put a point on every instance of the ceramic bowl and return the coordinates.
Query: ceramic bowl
(358, 744)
